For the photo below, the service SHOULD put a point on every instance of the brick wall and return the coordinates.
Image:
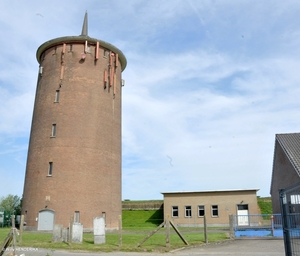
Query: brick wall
(86, 149)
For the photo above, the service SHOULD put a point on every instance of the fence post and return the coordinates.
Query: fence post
(231, 227)
(13, 227)
(272, 225)
(21, 229)
(205, 230)
(71, 230)
(168, 232)
(120, 231)
(285, 222)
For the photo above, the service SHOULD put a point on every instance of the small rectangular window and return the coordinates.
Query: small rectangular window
(77, 216)
(175, 211)
(54, 52)
(188, 211)
(53, 133)
(105, 53)
(201, 211)
(50, 169)
(71, 47)
(214, 211)
(57, 96)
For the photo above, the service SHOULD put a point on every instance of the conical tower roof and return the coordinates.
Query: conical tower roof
(84, 31)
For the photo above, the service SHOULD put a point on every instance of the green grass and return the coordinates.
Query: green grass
(130, 239)
(137, 219)
(137, 224)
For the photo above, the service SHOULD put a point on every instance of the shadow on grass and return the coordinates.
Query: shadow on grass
(156, 218)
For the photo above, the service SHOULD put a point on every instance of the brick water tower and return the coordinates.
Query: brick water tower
(74, 157)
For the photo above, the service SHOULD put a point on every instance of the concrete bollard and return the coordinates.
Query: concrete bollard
(57, 233)
(99, 230)
(77, 232)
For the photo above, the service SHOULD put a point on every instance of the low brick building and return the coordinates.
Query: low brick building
(187, 208)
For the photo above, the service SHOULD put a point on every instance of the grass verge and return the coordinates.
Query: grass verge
(129, 241)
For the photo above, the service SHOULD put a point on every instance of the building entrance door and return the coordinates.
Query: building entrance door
(243, 214)
(46, 220)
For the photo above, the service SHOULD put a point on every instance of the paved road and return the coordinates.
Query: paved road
(240, 247)
(253, 247)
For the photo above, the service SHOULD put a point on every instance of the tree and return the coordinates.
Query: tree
(11, 204)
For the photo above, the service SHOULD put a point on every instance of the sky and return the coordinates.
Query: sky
(208, 84)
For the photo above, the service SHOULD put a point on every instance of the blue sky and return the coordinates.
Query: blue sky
(207, 86)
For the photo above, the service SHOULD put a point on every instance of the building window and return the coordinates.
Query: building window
(105, 53)
(295, 199)
(50, 169)
(53, 133)
(71, 47)
(214, 211)
(175, 211)
(201, 211)
(188, 211)
(54, 52)
(77, 216)
(56, 96)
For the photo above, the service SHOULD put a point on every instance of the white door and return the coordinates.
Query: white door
(243, 214)
(46, 220)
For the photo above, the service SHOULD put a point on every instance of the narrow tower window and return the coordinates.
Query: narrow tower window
(56, 96)
(41, 70)
(105, 53)
(53, 133)
(71, 47)
(50, 169)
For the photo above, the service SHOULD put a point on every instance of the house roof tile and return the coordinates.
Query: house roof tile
(290, 143)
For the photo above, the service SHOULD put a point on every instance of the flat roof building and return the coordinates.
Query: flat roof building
(187, 208)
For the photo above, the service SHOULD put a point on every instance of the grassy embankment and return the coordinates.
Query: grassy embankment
(265, 205)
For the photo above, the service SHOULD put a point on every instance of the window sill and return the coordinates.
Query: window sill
(49, 176)
(52, 136)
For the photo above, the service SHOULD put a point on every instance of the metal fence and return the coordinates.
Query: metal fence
(257, 225)
(5, 219)
(290, 209)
